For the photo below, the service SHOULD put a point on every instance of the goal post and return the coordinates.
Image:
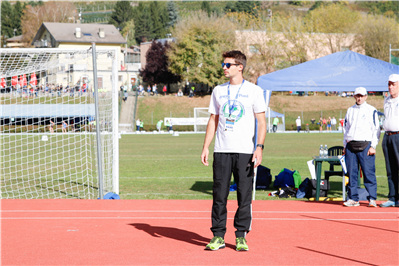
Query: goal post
(48, 143)
(201, 117)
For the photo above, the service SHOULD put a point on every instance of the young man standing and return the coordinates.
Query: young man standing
(234, 106)
(361, 135)
(390, 143)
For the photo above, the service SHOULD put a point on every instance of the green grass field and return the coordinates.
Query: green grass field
(63, 166)
(168, 167)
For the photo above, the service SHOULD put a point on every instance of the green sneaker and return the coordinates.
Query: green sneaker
(216, 243)
(241, 244)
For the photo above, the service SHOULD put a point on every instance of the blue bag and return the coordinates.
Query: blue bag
(284, 178)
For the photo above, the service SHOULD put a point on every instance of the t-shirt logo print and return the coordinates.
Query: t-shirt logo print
(237, 112)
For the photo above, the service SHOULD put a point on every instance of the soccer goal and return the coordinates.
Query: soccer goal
(48, 137)
(201, 117)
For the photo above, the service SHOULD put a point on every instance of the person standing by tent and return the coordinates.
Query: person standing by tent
(298, 124)
(361, 135)
(390, 143)
(159, 125)
(141, 125)
(234, 106)
(276, 121)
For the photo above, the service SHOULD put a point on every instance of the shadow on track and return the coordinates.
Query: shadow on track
(175, 233)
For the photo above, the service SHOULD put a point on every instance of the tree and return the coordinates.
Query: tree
(7, 23)
(375, 33)
(156, 69)
(318, 4)
(143, 23)
(230, 7)
(201, 40)
(17, 15)
(49, 12)
(206, 7)
(295, 3)
(159, 20)
(128, 31)
(249, 7)
(173, 14)
(335, 20)
(122, 13)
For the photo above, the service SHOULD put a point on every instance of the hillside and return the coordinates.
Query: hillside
(151, 109)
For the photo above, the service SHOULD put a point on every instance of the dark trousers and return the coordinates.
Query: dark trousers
(274, 128)
(367, 162)
(242, 168)
(390, 147)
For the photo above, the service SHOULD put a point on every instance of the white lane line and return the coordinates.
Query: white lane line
(183, 211)
(189, 218)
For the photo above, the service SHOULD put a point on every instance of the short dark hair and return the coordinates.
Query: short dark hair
(238, 57)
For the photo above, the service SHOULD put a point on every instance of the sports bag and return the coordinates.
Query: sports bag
(324, 187)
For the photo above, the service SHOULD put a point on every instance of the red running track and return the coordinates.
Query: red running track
(175, 232)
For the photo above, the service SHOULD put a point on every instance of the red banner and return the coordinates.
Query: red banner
(3, 82)
(14, 80)
(33, 79)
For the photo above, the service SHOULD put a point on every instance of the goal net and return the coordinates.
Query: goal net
(48, 143)
(201, 117)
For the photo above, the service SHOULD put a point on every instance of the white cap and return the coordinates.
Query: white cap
(394, 78)
(299, 117)
(361, 91)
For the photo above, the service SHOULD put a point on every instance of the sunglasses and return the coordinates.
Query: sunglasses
(228, 65)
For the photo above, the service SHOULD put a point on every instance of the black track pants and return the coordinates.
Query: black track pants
(242, 168)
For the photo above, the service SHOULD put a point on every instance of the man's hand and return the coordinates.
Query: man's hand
(204, 156)
(258, 156)
(371, 151)
(343, 152)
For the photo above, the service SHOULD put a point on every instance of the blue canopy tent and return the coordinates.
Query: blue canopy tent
(340, 71)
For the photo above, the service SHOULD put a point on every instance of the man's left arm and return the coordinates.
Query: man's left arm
(261, 118)
(375, 135)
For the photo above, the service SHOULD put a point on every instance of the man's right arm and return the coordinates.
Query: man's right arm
(210, 133)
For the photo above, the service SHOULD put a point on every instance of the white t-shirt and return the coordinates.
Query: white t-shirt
(250, 100)
(391, 111)
(298, 122)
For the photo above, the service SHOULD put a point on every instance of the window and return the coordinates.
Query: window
(120, 78)
(344, 48)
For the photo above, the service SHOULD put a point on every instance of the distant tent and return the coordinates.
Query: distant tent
(341, 71)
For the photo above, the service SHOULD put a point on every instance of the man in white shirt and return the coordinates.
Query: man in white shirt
(298, 123)
(334, 124)
(234, 106)
(390, 143)
(361, 135)
(138, 125)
